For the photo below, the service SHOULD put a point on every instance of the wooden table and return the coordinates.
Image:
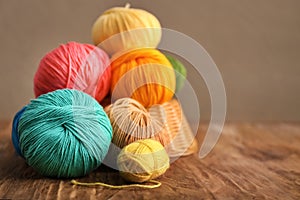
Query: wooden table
(250, 161)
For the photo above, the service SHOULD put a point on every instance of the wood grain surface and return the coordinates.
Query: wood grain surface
(250, 161)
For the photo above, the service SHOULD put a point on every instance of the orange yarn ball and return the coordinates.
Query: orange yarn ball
(145, 75)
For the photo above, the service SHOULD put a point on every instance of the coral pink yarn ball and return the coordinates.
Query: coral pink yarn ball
(77, 66)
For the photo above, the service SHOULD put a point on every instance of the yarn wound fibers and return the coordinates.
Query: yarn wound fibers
(143, 160)
(77, 66)
(64, 133)
(131, 122)
(145, 75)
(120, 29)
(180, 71)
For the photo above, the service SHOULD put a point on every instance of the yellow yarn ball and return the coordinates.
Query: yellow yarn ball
(142, 161)
(130, 28)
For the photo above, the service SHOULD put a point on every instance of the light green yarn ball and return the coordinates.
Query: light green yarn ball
(64, 133)
(180, 72)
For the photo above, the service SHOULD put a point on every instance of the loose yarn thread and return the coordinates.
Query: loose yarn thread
(156, 184)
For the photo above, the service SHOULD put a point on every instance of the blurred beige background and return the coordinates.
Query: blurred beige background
(255, 44)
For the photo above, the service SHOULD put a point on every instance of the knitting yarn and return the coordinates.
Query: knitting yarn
(131, 122)
(64, 133)
(122, 28)
(180, 72)
(15, 136)
(142, 161)
(77, 66)
(145, 75)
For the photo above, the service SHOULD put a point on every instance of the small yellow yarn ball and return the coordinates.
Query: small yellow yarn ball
(143, 160)
(127, 28)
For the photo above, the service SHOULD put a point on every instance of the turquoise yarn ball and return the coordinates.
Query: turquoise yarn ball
(180, 72)
(64, 133)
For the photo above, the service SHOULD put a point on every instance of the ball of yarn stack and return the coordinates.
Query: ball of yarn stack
(122, 28)
(180, 72)
(77, 66)
(145, 75)
(64, 133)
(143, 160)
(131, 122)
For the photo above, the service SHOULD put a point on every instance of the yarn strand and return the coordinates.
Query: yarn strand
(156, 184)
